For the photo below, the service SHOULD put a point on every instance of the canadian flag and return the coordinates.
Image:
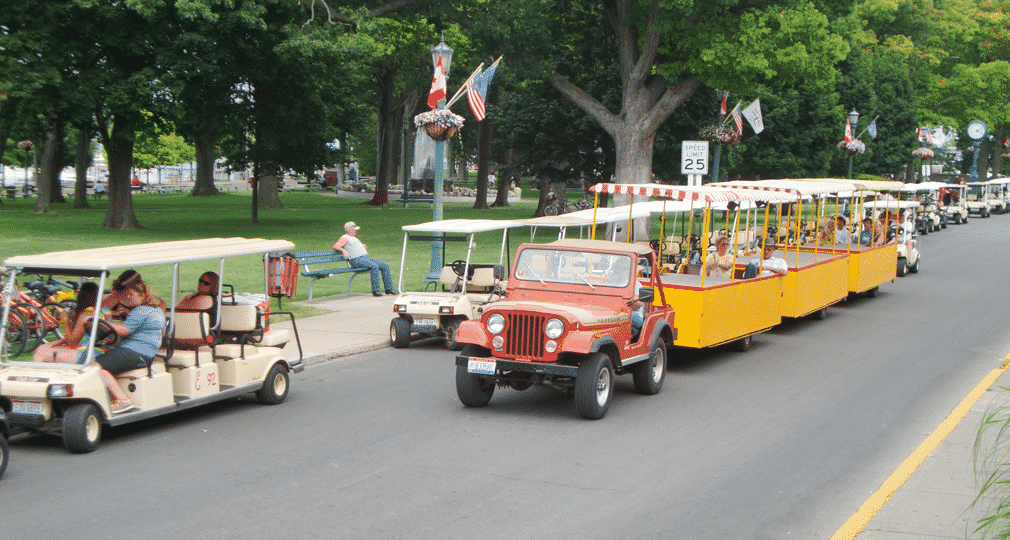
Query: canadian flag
(848, 132)
(437, 92)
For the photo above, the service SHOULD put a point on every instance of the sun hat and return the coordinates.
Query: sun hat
(350, 225)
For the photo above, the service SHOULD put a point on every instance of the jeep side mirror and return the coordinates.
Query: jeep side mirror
(646, 294)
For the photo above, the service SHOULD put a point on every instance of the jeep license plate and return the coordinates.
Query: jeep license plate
(481, 367)
(26, 407)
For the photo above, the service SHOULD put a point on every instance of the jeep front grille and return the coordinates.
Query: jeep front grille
(525, 336)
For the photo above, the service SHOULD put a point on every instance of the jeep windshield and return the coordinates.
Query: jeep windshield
(574, 267)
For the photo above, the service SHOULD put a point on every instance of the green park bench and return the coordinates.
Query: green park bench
(326, 259)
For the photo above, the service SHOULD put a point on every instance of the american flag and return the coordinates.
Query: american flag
(476, 91)
(737, 118)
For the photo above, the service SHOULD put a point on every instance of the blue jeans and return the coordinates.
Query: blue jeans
(376, 269)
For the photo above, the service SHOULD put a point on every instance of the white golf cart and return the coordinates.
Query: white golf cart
(236, 354)
(953, 202)
(902, 233)
(978, 199)
(460, 290)
(930, 217)
(999, 193)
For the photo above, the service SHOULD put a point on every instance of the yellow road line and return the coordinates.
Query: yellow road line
(855, 524)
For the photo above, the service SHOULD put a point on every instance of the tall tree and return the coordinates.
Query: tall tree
(667, 50)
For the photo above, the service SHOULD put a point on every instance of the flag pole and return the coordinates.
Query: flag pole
(462, 88)
(867, 126)
(459, 93)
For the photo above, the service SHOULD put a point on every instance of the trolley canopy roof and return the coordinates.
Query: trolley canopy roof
(889, 204)
(591, 245)
(706, 194)
(658, 207)
(464, 226)
(93, 262)
(871, 185)
(584, 218)
(923, 187)
(800, 187)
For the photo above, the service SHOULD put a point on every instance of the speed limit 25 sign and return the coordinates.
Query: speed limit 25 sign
(694, 157)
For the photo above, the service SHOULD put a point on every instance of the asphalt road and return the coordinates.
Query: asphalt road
(784, 441)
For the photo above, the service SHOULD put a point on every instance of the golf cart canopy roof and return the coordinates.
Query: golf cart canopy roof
(95, 261)
(583, 218)
(924, 186)
(464, 226)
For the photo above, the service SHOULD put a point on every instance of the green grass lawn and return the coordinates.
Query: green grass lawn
(312, 221)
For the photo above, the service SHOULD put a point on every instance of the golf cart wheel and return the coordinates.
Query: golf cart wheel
(82, 428)
(914, 268)
(473, 390)
(649, 375)
(943, 224)
(450, 329)
(594, 386)
(5, 454)
(901, 267)
(957, 219)
(275, 387)
(399, 332)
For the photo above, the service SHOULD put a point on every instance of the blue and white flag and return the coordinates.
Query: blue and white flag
(872, 129)
(476, 91)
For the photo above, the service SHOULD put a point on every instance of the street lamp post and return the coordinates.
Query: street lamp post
(444, 52)
(853, 120)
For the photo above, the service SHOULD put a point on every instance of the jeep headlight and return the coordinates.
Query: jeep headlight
(495, 324)
(554, 328)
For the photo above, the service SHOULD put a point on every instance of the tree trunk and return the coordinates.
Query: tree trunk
(82, 161)
(51, 167)
(43, 187)
(119, 214)
(485, 129)
(269, 184)
(204, 184)
(997, 153)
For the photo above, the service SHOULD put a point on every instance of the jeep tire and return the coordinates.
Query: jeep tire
(649, 375)
(594, 386)
(473, 390)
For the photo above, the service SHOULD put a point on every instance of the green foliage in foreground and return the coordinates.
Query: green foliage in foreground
(992, 472)
(312, 221)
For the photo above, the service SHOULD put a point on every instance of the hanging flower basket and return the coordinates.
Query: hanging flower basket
(439, 124)
(923, 153)
(1006, 156)
(25, 145)
(720, 133)
(855, 146)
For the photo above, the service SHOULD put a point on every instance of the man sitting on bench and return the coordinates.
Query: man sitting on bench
(356, 254)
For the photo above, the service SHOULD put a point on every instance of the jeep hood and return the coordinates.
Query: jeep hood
(585, 315)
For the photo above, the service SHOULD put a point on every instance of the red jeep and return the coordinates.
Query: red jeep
(566, 321)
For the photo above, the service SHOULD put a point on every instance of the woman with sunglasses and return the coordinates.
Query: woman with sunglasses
(204, 299)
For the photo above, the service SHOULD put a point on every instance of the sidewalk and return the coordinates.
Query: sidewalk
(358, 323)
(936, 501)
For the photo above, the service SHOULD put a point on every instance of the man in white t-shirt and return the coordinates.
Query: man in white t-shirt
(772, 265)
(356, 254)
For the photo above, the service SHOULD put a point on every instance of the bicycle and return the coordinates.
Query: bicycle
(555, 207)
(40, 319)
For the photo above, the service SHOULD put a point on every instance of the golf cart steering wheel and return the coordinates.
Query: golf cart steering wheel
(460, 268)
(106, 335)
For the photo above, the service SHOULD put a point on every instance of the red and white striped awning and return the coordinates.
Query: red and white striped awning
(693, 193)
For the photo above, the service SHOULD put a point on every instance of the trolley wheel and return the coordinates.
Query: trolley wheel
(743, 344)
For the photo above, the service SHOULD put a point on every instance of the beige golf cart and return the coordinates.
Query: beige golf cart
(459, 292)
(237, 354)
